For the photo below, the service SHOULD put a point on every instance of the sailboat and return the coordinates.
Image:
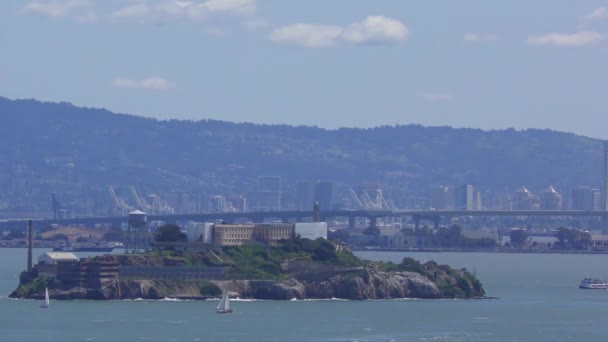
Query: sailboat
(224, 305)
(47, 301)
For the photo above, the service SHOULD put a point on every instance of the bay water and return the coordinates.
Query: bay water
(538, 300)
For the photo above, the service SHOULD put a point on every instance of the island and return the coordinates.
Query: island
(291, 269)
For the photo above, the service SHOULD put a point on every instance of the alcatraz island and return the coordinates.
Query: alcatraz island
(279, 261)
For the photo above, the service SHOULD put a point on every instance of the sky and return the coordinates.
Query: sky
(339, 63)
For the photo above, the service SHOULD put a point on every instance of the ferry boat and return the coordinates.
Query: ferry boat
(590, 283)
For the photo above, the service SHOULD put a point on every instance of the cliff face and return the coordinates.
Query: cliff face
(298, 268)
(354, 284)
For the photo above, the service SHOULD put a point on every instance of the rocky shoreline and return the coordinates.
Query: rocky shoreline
(299, 268)
(353, 284)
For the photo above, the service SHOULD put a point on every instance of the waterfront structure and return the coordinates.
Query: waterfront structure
(586, 198)
(599, 241)
(551, 199)
(242, 234)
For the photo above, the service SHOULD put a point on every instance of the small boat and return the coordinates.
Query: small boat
(224, 305)
(595, 284)
(47, 301)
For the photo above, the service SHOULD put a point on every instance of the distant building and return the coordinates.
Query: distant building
(305, 195)
(599, 241)
(522, 199)
(464, 197)
(243, 234)
(267, 197)
(586, 198)
(551, 199)
(437, 197)
(324, 195)
(199, 231)
(52, 258)
(311, 230)
(180, 201)
(477, 203)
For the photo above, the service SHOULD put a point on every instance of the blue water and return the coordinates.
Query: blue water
(539, 301)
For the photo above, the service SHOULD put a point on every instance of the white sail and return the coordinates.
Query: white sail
(224, 304)
(47, 300)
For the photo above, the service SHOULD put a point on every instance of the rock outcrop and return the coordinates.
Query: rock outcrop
(354, 284)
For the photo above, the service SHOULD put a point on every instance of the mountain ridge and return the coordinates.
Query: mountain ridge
(77, 152)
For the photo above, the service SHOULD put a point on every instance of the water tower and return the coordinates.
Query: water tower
(137, 234)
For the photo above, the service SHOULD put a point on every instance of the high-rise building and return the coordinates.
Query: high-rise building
(437, 197)
(305, 195)
(522, 199)
(477, 203)
(324, 195)
(268, 194)
(551, 199)
(464, 197)
(586, 198)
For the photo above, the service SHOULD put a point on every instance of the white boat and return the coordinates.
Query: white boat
(224, 305)
(590, 283)
(47, 300)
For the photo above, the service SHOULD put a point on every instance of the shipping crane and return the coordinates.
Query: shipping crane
(119, 204)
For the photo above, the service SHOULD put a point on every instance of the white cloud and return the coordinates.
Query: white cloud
(581, 38)
(375, 29)
(306, 35)
(176, 9)
(82, 10)
(56, 8)
(598, 13)
(436, 97)
(372, 30)
(479, 37)
(152, 83)
(230, 6)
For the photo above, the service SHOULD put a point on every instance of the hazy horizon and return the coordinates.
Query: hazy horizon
(340, 64)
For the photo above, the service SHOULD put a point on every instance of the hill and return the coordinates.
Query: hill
(77, 152)
(300, 268)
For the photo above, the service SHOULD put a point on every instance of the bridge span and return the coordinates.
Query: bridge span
(297, 216)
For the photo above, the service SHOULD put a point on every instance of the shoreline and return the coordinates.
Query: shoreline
(449, 250)
(423, 250)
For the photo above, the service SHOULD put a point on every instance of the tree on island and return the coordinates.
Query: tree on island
(518, 237)
(572, 238)
(169, 233)
(375, 231)
(449, 237)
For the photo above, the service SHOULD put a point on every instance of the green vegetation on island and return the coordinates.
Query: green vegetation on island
(297, 268)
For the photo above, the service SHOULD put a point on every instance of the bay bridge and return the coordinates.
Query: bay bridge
(372, 216)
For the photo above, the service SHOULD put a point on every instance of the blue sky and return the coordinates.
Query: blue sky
(353, 63)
